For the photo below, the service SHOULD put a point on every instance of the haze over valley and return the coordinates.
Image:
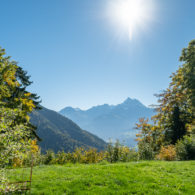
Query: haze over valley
(111, 121)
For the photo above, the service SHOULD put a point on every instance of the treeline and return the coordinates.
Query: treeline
(114, 153)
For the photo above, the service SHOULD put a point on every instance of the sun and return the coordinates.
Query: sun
(129, 14)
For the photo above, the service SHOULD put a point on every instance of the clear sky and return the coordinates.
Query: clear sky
(78, 57)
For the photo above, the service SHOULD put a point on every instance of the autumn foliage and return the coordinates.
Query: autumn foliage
(167, 153)
(175, 113)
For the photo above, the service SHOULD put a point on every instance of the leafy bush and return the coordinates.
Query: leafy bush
(80, 155)
(4, 187)
(145, 151)
(29, 157)
(49, 157)
(112, 152)
(167, 153)
(185, 148)
(61, 157)
(120, 153)
(92, 156)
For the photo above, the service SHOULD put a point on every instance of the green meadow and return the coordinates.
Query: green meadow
(142, 177)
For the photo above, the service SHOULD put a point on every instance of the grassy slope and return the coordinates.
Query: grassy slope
(147, 177)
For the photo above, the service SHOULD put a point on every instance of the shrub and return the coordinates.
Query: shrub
(127, 154)
(80, 155)
(49, 157)
(118, 152)
(33, 156)
(167, 153)
(185, 148)
(112, 153)
(61, 158)
(4, 187)
(92, 156)
(145, 151)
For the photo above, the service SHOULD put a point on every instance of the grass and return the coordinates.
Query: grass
(145, 177)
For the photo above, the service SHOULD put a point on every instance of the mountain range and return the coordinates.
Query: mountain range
(60, 133)
(111, 121)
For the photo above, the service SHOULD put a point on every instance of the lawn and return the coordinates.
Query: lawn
(144, 177)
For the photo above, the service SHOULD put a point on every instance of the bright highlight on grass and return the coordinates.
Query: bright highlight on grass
(129, 15)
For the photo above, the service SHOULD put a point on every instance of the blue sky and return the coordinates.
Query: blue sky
(75, 57)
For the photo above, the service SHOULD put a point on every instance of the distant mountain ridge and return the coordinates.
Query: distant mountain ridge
(60, 133)
(110, 121)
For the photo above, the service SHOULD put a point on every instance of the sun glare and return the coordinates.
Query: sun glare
(129, 14)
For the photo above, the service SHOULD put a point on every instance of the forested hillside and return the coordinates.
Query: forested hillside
(59, 133)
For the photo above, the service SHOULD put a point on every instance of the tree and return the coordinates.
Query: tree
(188, 57)
(16, 103)
(177, 103)
(177, 127)
(149, 139)
(175, 116)
(14, 139)
(13, 94)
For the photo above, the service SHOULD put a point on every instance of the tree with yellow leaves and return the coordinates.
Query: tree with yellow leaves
(175, 116)
(13, 94)
(16, 103)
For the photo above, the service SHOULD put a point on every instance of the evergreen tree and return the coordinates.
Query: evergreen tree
(177, 127)
(13, 93)
(188, 57)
